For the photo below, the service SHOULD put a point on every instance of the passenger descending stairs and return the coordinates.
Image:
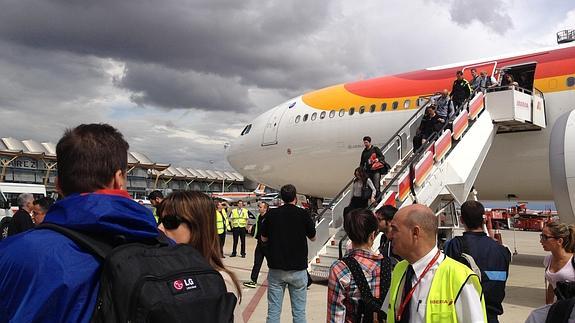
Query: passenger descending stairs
(440, 173)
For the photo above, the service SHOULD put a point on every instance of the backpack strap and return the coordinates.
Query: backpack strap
(372, 303)
(95, 246)
(101, 245)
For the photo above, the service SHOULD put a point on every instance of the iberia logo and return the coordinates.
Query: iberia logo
(449, 302)
(178, 284)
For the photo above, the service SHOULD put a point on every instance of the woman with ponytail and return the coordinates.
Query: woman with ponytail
(559, 239)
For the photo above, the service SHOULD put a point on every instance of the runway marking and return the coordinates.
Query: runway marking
(249, 310)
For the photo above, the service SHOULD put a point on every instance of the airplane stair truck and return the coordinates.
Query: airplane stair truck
(441, 173)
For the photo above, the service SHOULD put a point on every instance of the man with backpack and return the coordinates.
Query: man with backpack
(374, 164)
(44, 275)
(491, 258)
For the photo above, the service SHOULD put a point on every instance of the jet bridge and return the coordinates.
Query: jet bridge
(441, 173)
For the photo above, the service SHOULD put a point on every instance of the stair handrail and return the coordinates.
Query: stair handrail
(391, 139)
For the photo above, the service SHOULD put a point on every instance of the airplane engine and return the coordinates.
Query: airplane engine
(562, 166)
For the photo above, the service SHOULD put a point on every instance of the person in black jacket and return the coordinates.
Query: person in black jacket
(370, 156)
(460, 91)
(430, 124)
(492, 258)
(22, 221)
(259, 252)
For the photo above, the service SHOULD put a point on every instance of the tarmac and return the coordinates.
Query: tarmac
(525, 289)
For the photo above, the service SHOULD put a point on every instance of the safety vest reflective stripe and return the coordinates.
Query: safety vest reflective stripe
(221, 218)
(450, 277)
(239, 220)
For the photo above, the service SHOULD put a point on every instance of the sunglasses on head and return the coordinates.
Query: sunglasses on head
(545, 237)
(171, 221)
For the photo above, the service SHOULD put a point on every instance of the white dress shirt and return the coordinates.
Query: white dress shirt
(467, 306)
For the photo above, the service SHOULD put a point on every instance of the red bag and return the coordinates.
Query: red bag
(375, 163)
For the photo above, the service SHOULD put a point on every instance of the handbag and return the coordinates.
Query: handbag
(366, 191)
(375, 163)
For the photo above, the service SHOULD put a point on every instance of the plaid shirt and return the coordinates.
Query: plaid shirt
(342, 293)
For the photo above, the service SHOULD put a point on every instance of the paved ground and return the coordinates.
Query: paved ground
(525, 287)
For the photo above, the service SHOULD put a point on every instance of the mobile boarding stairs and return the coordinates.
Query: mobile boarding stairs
(441, 173)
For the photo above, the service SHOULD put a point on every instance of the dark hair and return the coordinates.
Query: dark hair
(367, 138)
(474, 69)
(88, 156)
(288, 193)
(386, 212)
(359, 224)
(155, 194)
(459, 73)
(472, 214)
(266, 205)
(44, 203)
(240, 201)
(565, 232)
(362, 174)
(198, 209)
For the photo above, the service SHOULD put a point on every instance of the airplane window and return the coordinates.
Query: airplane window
(297, 118)
(372, 108)
(351, 111)
(570, 81)
(332, 113)
(394, 105)
(313, 116)
(341, 112)
(305, 117)
(383, 106)
(406, 104)
(246, 130)
(361, 109)
(322, 115)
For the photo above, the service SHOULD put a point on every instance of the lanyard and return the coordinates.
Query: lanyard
(410, 294)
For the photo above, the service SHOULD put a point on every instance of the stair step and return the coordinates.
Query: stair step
(328, 259)
(319, 274)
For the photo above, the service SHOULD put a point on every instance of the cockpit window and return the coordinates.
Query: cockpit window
(246, 130)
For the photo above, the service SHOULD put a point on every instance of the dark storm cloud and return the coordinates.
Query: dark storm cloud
(251, 42)
(491, 13)
(160, 86)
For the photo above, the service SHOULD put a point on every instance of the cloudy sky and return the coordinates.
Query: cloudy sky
(180, 78)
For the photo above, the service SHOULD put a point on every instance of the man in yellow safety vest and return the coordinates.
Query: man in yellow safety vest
(428, 286)
(239, 224)
(222, 224)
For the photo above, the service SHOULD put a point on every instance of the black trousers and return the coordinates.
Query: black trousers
(222, 241)
(239, 233)
(355, 203)
(258, 260)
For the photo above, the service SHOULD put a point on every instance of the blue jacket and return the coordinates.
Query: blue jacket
(45, 277)
(492, 259)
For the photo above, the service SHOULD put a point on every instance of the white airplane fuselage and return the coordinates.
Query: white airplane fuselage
(318, 155)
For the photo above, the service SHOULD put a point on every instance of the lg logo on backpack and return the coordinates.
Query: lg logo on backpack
(183, 285)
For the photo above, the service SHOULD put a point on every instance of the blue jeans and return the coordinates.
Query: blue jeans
(296, 281)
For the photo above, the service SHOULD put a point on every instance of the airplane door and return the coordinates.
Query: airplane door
(270, 136)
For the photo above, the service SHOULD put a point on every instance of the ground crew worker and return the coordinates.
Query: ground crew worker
(259, 252)
(428, 286)
(222, 224)
(156, 197)
(239, 224)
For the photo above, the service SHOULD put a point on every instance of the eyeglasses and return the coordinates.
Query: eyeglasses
(545, 237)
(171, 221)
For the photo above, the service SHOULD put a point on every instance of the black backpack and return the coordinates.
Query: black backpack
(151, 281)
(368, 305)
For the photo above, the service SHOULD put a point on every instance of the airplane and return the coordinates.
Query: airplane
(314, 140)
(233, 197)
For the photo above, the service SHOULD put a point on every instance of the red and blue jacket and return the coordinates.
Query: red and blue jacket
(45, 277)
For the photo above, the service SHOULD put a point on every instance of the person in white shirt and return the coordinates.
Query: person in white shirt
(456, 295)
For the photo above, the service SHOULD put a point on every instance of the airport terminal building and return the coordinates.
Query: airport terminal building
(31, 162)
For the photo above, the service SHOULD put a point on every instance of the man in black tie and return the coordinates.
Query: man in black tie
(428, 286)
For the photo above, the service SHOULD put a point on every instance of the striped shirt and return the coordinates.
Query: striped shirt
(342, 294)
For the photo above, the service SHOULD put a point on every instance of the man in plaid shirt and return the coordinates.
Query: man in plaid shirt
(343, 294)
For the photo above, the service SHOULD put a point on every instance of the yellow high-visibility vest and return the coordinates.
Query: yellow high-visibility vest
(239, 220)
(450, 277)
(222, 221)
